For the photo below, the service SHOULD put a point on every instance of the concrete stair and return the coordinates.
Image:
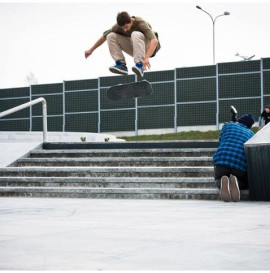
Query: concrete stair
(147, 170)
(118, 161)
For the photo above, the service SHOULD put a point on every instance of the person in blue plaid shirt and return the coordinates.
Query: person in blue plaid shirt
(230, 161)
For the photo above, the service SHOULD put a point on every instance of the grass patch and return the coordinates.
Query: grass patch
(190, 135)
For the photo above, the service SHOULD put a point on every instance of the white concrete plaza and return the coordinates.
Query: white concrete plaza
(103, 234)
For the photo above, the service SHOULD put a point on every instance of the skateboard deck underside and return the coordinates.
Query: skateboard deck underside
(129, 90)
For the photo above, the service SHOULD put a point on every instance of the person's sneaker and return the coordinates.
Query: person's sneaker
(119, 68)
(138, 69)
(234, 113)
(225, 194)
(235, 192)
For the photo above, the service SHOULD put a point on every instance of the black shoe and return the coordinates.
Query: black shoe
(234, 113)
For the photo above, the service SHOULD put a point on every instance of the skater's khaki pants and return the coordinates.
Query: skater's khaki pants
(134, 46)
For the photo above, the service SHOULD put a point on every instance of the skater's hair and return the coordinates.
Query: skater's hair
(267, 107)
(123, 18)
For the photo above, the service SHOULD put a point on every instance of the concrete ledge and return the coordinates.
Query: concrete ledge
(257, 150)
(134, 145)
(14, 145)
(11, 151)
(261, 137)
(22, 136)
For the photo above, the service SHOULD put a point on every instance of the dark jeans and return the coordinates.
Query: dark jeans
(221, 170)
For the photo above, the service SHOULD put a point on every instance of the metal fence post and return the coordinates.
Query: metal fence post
(136, 111)
(217, 99)
(175, 101)
(99, 114)
(30, 110)
(262, 91)
(136, 116)
(64, 107)
(44, 117)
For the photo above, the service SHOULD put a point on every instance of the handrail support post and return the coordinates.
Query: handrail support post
(28, 104)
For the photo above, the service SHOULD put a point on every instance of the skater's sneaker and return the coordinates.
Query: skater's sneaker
(235, 192)
(225, 194)
(138, 69)
(234, 113)
(119, 68)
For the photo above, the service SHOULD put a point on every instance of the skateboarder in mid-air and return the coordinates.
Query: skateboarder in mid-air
(134, 36)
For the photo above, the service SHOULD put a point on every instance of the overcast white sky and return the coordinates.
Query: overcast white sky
(49, 39)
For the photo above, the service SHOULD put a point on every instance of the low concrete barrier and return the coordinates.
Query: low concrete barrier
(257, 150)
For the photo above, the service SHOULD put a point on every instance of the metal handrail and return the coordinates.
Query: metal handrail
(28, 104)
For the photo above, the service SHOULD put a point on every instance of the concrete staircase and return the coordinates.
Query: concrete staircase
(147, 170)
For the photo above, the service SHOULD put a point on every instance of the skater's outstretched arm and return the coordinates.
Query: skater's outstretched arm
(97, 44)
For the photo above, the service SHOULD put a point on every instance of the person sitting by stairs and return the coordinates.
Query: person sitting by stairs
(230, 161)
(264, 117)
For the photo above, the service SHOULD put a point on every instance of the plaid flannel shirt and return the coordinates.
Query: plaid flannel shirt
(230, 151)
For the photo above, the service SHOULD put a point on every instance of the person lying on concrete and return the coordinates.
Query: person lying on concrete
(230, 161)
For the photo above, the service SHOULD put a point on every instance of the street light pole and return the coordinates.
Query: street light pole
(213, 21)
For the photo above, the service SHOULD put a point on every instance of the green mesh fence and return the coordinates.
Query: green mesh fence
(110, 81)
(156, 117)
(241, 85)
(266, 82)
(54, 105)
(163, 94)
(196, 72)
(195, 114)
(159, 76)
(243, 106)
(14, 93)
(54, 124)
(188, 94)
(81, 85)
(14, 125)
(266, 63)
(238, 67)
(11, 103)
(123, 120)
(266, 101)
(196, 90)
(42, 89)
(87, 122)
(83, 101)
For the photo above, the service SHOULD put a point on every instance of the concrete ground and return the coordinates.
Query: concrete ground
(102, 234)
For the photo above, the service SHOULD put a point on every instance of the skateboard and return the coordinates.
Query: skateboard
(130, 90)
